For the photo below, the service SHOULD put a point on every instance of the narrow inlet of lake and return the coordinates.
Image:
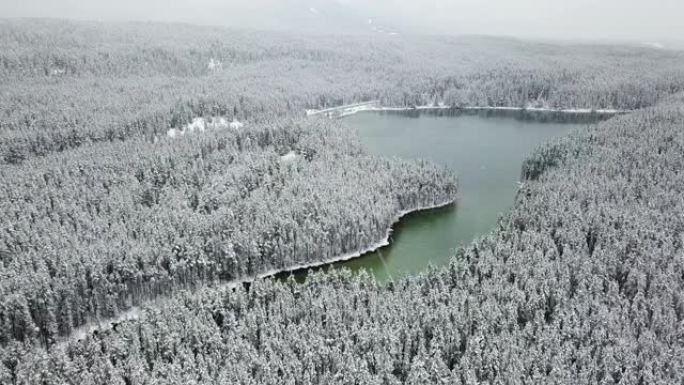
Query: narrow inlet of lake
(486, 151)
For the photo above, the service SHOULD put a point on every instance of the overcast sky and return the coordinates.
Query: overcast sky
(636, 20)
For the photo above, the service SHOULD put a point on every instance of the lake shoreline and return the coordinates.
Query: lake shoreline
(352, 109)
(360, 253)
(134, 312)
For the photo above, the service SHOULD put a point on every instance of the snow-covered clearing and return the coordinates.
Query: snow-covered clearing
(289, 157)
(201, 124)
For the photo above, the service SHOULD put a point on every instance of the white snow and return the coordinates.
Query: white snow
(289, 157)
(57, 71)
(218, 123)
(236, 125)
(371, 106)
(201, 124)
(343, 110)
(83, 331)
(197, 124)
(214, 65)
(314, 11)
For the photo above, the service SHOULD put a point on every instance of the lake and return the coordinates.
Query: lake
(486, 149)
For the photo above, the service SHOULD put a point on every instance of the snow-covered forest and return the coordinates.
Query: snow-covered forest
(94, 230)
(66, 84)
(102, 210)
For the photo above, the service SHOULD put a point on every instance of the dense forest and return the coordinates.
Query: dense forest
(89, 232)
(102, 209)
(66, 84)
(94, 226)
(582, 283)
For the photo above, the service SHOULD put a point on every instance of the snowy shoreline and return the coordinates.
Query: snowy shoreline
(582, 111)
(370, 106)
(134, 312)
(355, 254)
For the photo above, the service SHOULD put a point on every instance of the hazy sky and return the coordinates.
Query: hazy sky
(637, 20)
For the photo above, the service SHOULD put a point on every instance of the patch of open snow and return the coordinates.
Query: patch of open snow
(289, 157)
(218, 123)
(343, 110)
(214, 65)
(200, 124)
(236, 125)
(197, 124)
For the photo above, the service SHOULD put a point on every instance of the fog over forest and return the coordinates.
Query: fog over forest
(655, 23)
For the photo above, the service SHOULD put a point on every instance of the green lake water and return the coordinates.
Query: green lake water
(486, 149)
